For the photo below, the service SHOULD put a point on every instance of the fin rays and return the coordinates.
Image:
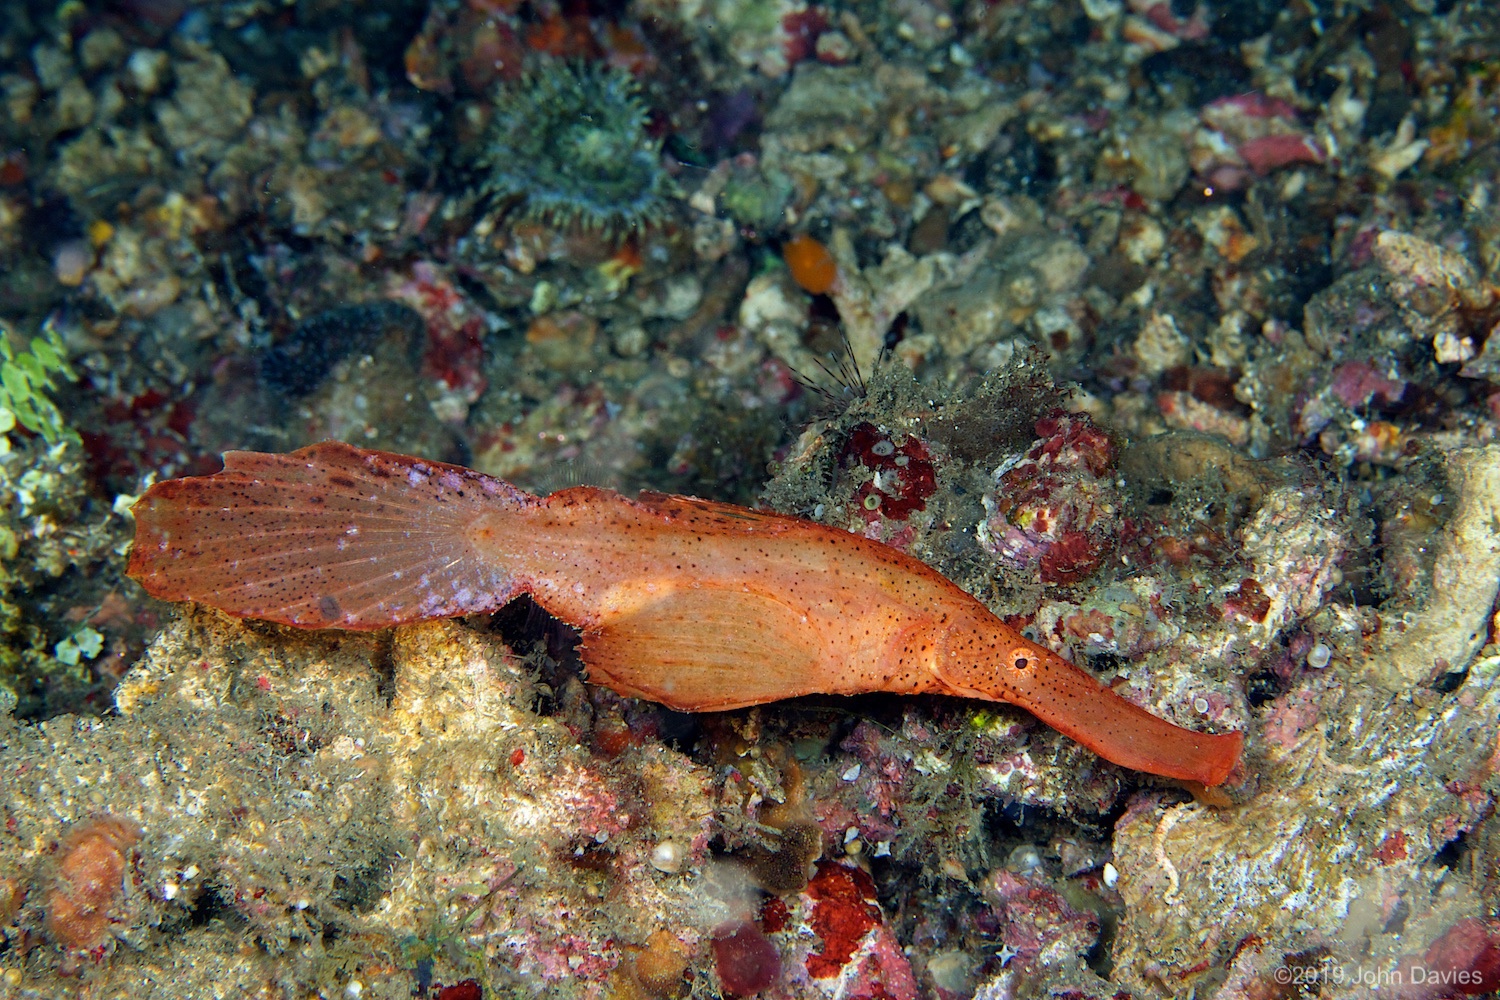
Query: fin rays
(317, 539)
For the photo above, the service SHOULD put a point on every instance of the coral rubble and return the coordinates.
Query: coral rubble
(458, 829)
(1167, 330)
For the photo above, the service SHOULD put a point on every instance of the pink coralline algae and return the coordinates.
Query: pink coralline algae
(587, 795)
(802, 29)
(871, 799)
(455, 335)
(1037, 925)
(1161, 15)
(1055, 509)
(1247, 601)
(1465, 960)
(902, 475)
(1358, 383)
(1250, 134)
(1266, 153)
(858, 952)
(1291, 715)
(745, 959)
(844, 911)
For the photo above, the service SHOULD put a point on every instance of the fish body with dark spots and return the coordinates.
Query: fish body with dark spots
(698, 605)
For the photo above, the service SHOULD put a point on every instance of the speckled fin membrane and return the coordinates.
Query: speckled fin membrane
(331, 536)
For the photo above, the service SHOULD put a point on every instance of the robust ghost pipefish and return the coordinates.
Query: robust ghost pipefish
(700, 606)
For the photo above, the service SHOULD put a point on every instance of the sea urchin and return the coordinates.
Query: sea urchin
(570, 143)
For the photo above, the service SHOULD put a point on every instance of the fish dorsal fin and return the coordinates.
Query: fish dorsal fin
(723, 515)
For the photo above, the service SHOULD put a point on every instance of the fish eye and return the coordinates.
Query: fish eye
(1022, 663)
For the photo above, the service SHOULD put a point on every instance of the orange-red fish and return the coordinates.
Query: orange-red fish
(697, 605)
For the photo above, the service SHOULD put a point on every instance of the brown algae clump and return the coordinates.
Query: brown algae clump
(570, 142)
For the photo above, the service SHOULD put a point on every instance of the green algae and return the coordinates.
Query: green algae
(26, 380)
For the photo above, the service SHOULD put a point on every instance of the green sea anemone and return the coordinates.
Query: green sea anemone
(570, 143)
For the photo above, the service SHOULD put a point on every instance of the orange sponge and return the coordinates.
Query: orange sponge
(89, 882)
(811, 264)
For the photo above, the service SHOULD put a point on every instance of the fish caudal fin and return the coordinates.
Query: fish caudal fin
(331, 536)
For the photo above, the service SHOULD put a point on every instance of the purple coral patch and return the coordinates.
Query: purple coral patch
(1357, 384)
(746, 960)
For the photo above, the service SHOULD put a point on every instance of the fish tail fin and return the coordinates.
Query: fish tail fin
(330, 536)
